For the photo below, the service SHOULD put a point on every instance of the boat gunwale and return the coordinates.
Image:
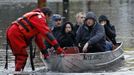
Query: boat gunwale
(121, 43)
(100, 53)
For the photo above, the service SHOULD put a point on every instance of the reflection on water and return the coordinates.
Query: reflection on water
(120, 12)
(129, 64)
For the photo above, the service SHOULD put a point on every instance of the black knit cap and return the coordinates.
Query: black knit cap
(103, 18)
(46, 11)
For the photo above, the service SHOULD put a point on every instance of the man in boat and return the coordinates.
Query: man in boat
(90, 37)
(56, 28)
(32, 25)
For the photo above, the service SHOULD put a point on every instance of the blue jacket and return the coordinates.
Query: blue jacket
(94, 35)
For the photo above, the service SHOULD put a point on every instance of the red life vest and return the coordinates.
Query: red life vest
(26, 27)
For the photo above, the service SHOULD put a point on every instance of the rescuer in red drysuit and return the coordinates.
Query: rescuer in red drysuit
(31, 25)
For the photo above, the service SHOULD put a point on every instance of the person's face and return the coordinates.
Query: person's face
(58, 22)
(90, 22)
(80, 19)
(103, 23)
(68, 28)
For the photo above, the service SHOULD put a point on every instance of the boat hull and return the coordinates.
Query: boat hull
(81, 62)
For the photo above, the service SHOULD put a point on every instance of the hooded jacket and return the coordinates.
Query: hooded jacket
(109, 29)
(67, 39)
(93, 35)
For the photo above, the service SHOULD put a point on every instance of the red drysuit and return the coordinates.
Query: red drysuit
(30, 25)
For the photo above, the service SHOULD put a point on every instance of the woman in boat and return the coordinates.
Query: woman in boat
(67, 38)
(90, 37)
(80, 17)
(109, 29)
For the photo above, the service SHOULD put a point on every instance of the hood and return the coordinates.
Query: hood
(104, 18)
(64, 26)
(91, 15)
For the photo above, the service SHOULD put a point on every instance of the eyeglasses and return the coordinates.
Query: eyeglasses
(57, 19)
(82, 17)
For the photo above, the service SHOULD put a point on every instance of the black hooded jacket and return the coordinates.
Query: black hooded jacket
(109, 29)
(67, 39)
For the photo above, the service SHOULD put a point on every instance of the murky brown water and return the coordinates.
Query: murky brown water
(120, 12)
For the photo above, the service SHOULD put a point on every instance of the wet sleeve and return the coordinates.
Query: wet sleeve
(40, 24)
(51, 39)
(40, 44)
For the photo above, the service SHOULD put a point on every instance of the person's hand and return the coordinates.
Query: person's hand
(103, 23)
(45, 53)
(79, 45)
(60, 50)
(85, 47)
(64, 48)
(46, 56)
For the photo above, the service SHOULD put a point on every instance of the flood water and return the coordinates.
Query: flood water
(119, 12)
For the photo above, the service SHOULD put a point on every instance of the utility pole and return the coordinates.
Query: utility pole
(66, 10)
(42, 3)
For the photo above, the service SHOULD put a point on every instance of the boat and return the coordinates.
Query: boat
(81, 62)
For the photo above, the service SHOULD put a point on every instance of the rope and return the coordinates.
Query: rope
(6, 64)
(31, 56)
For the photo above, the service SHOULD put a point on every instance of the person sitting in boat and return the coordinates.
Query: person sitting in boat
(109, 29)
(80, 17)
(56, 27)
(90, 37)
(57, 18)
(67, 38)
